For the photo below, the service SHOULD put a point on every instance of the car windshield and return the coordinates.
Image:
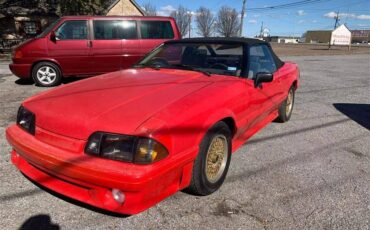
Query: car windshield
(209, 58)
(48, 29)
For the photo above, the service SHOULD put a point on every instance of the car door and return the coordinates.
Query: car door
(115, 45)
(71, 47)
(131, 51)
(261, 100)
(279, 93)
(106, 46)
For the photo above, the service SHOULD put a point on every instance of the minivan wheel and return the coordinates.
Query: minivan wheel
(46, 74)
(212, 163)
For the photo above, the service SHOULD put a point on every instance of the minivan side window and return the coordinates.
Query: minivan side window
(156, 30)
(72, 30)
(114, 29)
(260, 60)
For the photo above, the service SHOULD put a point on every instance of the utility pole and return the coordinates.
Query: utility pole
(335, 25)
(189, 14)
(336, 20)
(261, 31)
(242, 18)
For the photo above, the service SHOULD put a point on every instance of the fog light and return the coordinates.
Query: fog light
(118, 196)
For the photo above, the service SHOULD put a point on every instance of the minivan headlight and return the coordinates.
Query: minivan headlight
(140, 150)
(26, 120)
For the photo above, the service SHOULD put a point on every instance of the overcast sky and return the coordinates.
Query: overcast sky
(318, 15)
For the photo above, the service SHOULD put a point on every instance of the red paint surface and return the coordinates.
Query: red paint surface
(86, 57)
(174, 107)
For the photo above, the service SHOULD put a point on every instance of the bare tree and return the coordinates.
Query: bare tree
(150, 10)
(183, 19)
(61, 8)
(205, 21)
(81, 7)
(228, 23)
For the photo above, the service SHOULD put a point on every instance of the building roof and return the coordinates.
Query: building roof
(220, 40)
(342, 26)
(115, 2)
(319, 31)
(286, 37)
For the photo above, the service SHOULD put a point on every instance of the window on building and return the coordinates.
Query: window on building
(30, 28)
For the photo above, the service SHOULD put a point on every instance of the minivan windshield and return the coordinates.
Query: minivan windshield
(210, 58)
(48, 29)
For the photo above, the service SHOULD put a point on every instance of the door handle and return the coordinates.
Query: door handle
(89, 43)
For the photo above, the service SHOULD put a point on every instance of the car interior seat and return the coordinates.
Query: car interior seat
(194, 57)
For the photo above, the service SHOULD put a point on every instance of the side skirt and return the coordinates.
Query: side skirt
(240, 140)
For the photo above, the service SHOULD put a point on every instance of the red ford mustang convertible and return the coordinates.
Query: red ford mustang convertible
(126, 140)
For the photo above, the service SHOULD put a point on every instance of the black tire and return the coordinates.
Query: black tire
(200, 184)
(53, 73)
(284, 112)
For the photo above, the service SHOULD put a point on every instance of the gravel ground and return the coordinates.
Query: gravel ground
(308, 49)
(310, 173)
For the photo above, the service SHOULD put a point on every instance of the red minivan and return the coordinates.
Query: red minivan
(89, 45)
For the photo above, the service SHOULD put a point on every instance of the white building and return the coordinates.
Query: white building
(341, 36)
(283, 39)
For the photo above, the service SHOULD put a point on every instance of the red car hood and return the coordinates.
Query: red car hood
(117, 102)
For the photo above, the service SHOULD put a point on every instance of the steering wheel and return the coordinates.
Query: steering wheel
(159, 62)
(219, 66)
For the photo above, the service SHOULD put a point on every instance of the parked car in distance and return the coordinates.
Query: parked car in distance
(126, 140)
(89, 45)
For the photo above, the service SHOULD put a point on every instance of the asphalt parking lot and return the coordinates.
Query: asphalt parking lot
(310, 173)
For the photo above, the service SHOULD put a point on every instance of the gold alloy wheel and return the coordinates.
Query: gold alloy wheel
(289, 103)
(216, 158)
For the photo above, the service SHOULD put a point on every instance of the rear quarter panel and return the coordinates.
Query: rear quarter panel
(287, 76)
(290, 75)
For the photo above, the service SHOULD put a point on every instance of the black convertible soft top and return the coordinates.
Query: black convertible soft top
(249, 41)
(233, 40)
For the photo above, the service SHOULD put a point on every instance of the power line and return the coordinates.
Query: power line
(352, 4)
(287, 5)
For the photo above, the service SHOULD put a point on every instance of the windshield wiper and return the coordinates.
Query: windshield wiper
(189, 67)
(186, 67)
(156, 67)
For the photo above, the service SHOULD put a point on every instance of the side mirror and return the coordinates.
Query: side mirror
(53, 36)
(262, 77)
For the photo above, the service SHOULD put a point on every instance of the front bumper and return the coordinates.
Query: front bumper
(91, 180)
(21, 70)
